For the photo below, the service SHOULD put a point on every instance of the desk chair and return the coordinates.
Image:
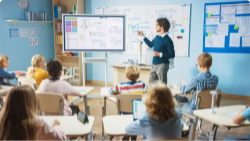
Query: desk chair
(124, 102)
(27, 81)
(50, 103)
(203, 100)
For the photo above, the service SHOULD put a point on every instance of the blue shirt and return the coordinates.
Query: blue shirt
(164, 45)
(5, 75)
(246, 113)
(155, 129)
(203, 81)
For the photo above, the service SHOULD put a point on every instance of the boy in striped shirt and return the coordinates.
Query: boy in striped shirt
(130, 87)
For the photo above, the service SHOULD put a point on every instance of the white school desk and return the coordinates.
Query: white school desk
(17, 76)
(84, 91)
(115, 125)
(71, 125)
(220, 118)
(119, 73)
(4, 90)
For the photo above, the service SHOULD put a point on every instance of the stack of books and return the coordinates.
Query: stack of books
(59, 10)
(59, 39)
(58, 26)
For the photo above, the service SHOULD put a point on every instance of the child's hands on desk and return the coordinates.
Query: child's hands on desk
(56, 123)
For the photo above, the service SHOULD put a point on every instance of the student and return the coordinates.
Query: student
(132, 86)
(19, 119)
(163, 51)
(161, 119)
(4, 63)
(203, 81)
(36, 71)
(237, 119)
(55, 85)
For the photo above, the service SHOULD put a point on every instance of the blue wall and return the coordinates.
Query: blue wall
(18, 49)
(232, 69)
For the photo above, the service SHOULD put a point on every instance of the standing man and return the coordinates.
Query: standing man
(163, 51)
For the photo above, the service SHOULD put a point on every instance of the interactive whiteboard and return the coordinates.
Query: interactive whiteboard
(93, 32)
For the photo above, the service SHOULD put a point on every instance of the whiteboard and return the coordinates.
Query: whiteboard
(143, 18)
(93, 32)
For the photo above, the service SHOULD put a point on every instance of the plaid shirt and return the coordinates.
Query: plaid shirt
(204, 81)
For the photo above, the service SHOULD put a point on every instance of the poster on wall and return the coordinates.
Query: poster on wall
(33, 41)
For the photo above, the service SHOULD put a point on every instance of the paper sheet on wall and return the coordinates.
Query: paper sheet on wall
(228, 19)
(228, 9)
(213, 9)
(242, 20)
(232, 114)
(185, 11)
(209, 41)
(212, 20)
(212, 29)
(219, 41)
(33, 32)
(106, 11)
(223, 29)
(234, 40)
(14, 33)
(99, 11)
(245, 41)
(243, 9)
(33, 41)
(24, 33)
(244, 30)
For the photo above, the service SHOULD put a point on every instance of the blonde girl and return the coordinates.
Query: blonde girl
(36, 71)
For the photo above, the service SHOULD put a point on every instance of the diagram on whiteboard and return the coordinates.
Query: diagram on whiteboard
(94, 33)
(143, 18)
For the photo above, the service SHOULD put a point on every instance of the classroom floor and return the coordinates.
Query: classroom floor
(97, 104)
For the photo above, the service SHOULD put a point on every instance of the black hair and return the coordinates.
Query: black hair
(53, 68)
(164, 22)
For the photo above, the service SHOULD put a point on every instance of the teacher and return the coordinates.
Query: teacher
(163, 51)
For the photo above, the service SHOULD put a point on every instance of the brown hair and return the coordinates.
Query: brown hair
(159, 102)
(132, 72)
(3, 58)
(205, 60)
(164, 22)
(36, 62)
(18, 119)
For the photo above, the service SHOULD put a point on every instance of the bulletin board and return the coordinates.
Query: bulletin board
(227, 27)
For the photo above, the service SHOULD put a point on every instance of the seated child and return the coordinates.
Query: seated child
(237, 119)
(161, 119)
(55, 85)
(132, 86)
(36, 71)
(4, 63)
(203, 81)
(19, 119)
